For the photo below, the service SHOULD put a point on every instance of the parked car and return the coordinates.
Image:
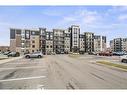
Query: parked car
(81, 52)
(34, 55)
(119, 53)
(105, 54)
(124, 58)
(13, 54)
(92, 53)
(6, 53)
(53, 53)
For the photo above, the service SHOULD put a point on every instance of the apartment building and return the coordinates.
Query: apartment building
(75, 42)
(89, 41)
(67, 39)
(24, 40)
(82, 43)
(99, 43)
(58, 41)
(34, 41)
(49, 42)
(118, 44)
(15, 39)
(124, 44)
(42, 40)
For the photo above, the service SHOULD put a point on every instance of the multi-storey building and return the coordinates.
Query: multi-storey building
(23, 40)
(124, 44)
(89, 41)
(34, 40)
(15, 39)
(42, 40)
(75, 32)
(58, 40)
(118, 44)
(99, 43)
(82, 43)
(49, 42)
(67, 39)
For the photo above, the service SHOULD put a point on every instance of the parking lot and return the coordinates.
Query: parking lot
(62, 72)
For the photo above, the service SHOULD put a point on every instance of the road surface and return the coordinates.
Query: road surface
(61, 72)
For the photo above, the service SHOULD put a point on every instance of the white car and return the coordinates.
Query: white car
(124, 58)
(34, 55)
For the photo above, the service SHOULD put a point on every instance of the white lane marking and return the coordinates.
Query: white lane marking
(31, 67)
(18, 79)
(40, 87)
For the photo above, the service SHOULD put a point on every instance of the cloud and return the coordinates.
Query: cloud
(69, 19)
(82, 17)
(116, 9)
(122, 17)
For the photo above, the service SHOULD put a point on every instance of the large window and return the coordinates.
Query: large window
(27, 34)
(12, 33)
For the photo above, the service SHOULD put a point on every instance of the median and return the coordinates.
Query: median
(113, 64)
(74, 55)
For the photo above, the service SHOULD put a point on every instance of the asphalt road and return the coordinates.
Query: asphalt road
(61, 72)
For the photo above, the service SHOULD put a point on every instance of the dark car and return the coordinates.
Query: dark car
(105, 54)
(13, 54)
(119, 53)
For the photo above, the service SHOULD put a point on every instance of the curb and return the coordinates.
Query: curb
(111, 66)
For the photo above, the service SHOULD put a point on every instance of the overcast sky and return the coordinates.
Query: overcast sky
(110, 21)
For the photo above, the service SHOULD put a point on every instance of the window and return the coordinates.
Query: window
(18, 31)
(50, 46)
(33, 33)
(12, 34)
(47, 46)
(32, 50)
(33, 37)
(33, 46)
(33, 41)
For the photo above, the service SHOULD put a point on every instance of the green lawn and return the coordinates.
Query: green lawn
(113, 64)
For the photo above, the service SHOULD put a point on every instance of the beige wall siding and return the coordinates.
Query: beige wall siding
(67, 44)
(49, 47)
(12, 44)
(35, 44)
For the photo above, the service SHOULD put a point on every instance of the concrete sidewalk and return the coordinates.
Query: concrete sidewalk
(10, 59)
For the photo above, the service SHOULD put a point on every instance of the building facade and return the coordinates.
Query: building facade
(89, 41)
(82, 43)
(75, 42)
(49, 42)
(118, 44)
(57, 40)
(67, 39)
(99, 43)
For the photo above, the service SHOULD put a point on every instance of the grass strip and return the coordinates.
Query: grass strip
(74, 55)
(113, 64)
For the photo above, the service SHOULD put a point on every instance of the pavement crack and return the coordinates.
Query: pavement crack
(9, 75)
(97, 76)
